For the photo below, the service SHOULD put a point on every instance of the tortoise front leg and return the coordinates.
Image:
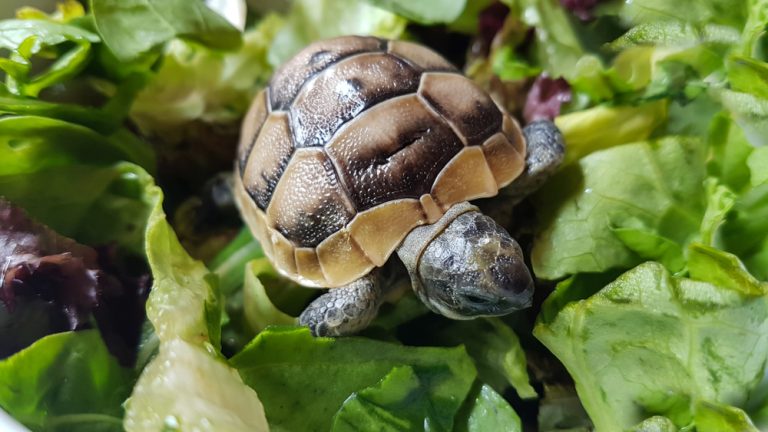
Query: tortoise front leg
(545, 152)
(346, 310)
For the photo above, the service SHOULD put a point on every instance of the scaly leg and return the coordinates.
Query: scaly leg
(346, 310)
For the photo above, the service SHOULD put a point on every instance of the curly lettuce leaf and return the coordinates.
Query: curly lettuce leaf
(195, 82)
(187, 385)
(311, 20)
(603, 126)
(557, 47)
(651, 343)
(131, 28)
(292, 370)
(618, 207)
(65, 381)
(424, 12)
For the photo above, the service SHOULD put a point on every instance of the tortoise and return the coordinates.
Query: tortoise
(360, 147)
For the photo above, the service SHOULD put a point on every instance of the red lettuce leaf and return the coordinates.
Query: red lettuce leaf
(50, 283)
(546, 97)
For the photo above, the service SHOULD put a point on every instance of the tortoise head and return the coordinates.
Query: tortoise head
(473, 268)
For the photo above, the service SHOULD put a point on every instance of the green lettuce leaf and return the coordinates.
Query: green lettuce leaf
(63, 382)
(712, 417)
(725, 12)
(496, 351)
(33, 143)
(488, 411)
(101, 200)
(601, 127)
(229, 264)
(758, 166)
(131, 28)
(745, 232)
(270, 299)
(403, 400)
(557, 48)
(184, 301)
(650, 343)
(187, 385)
(424, 12)
(26, 39)
(291, 371)
(620, 206)
(311, 20)
(195, 82)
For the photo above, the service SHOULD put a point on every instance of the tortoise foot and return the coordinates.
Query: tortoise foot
(344, 311)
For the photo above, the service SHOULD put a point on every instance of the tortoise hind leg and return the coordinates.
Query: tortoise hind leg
(346, 310)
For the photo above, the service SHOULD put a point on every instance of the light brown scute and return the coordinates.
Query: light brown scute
(289, 78)
(378, 231)
(420, 56)
(268, 158)
(308, 265)
(253, 216)
(430, 208)
(503, 158)
(514, 133)
(466, 177)
(391, 151)
(469, 110)
(309, 204)
(252, 122)
(345, 89)
(283, 253)
(342, 260)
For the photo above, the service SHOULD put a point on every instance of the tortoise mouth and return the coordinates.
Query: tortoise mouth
(465, 303)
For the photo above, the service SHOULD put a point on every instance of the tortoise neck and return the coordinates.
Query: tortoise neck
(419, 238)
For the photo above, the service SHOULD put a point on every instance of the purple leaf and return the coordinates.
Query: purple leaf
(545, 98)
(581, 8)
(50, 283)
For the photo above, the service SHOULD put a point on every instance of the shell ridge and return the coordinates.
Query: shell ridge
(442, 118)
(243, 156)
(280, 72)
(319, 72)
(307, 141)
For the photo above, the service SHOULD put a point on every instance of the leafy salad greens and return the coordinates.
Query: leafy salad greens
(131, 297)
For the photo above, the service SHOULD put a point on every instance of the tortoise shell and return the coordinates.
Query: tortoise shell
(355, 142)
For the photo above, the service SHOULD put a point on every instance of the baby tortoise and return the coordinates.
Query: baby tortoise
(360, 147)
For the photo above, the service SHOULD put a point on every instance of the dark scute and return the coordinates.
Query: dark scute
(467, 107)
(391, 151)
(309, 204)
(269, 157)
(345, 89)
(289, 78)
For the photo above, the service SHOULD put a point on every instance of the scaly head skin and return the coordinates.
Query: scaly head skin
(473, 268)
